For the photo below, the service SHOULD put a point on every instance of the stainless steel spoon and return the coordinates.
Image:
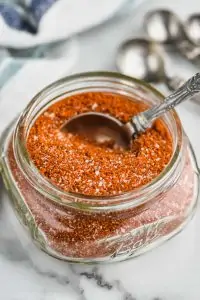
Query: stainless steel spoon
(141, 58)
(164, 26)
(102, 127)
(193, 28)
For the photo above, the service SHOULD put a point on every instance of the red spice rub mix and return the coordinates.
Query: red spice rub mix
(76, 164)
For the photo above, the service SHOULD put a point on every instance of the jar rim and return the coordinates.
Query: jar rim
(135, 197)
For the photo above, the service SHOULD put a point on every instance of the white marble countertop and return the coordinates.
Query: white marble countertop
(170, 272)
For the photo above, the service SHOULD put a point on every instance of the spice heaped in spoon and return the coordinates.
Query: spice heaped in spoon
(103, 128)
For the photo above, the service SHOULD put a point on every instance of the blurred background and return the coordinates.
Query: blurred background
(87, 34)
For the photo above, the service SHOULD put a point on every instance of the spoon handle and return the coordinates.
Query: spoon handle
(144, 120)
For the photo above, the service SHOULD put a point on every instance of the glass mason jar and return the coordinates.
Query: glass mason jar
(79, 228)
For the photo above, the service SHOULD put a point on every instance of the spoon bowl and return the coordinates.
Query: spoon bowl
(193, 28)
(163, 26)
(140, 58)
(98, 127)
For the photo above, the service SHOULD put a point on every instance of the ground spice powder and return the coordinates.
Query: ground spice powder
(76, 164)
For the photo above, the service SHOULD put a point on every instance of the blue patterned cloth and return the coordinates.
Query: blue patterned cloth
(24, 14)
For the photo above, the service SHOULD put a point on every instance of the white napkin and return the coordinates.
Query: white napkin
(63, 19)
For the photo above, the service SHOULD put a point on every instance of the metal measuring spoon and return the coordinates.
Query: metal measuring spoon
(98, 125)
(193, 28)
(164, 26)
(140, 58)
